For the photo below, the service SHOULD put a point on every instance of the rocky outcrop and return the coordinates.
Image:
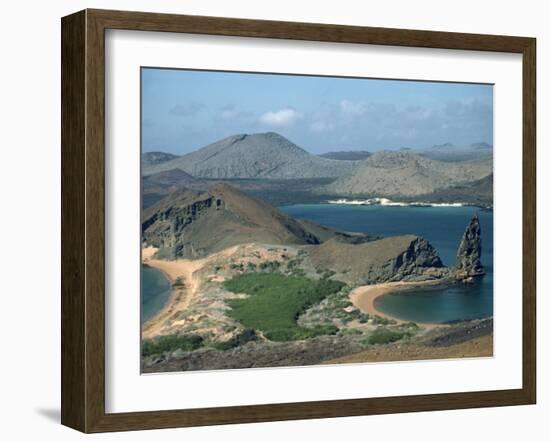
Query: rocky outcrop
(188, 224)
(419, 259)
(400, 258)
(468, 265)
(396, 258)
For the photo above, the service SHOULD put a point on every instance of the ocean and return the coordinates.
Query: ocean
(155, 291)
(443, 228)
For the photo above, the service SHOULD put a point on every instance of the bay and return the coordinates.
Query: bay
(443, 227)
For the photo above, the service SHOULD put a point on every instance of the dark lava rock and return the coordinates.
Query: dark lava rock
(468, 259)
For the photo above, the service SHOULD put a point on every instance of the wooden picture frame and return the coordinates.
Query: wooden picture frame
(83, 220)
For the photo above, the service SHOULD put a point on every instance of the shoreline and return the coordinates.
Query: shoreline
(179, 297)
(169, 300)
(185, 289)
(363, 298)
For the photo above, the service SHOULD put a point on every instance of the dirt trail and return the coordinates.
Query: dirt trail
(183, 294)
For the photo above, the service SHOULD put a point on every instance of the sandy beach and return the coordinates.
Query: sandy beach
(363, 297)
(186, 286)
(181, 296)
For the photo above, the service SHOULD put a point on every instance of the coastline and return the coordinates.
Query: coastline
(403, 202)
(180, 296)
(363, 297)
(185, 289)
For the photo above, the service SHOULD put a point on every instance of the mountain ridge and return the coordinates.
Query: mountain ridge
(406, 174)
(261, 155)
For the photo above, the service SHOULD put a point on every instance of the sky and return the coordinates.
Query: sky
(184, 110)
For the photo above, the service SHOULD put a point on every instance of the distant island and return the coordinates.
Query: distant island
(271, 167)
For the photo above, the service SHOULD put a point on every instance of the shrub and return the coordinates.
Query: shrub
(328, 273)
(386, 336)
(350, 331)
(270, 266)
(170, 343)
(179, 282)
(379, 320)
(251, 266)
(293, 264)
(247, 335)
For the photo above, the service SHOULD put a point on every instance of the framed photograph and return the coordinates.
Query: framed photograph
(269, 220)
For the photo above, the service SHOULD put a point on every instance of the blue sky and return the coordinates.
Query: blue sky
(185, 110)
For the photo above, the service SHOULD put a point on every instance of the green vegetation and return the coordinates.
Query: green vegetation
(251, 267)
(270, 266)
(328, 273)
(350, 332)
(293, 264)
(336, 309)
(170, 343)
(386, 335)
(378, 320)
(276, 301)
(242, 338)
(298, 272)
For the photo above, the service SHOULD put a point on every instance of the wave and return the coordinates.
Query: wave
(390, 203)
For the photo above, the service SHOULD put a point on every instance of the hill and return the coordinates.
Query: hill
(263, 155)
(395, 258)
(406, 174)
(477, 193)
(193, 224)
(157, 186)
(347, 155)
(149, 159)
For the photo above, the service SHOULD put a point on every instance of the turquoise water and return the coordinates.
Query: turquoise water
(443, 228)
(155, 291)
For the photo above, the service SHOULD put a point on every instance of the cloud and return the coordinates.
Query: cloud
(186, 109)
(281, 118)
